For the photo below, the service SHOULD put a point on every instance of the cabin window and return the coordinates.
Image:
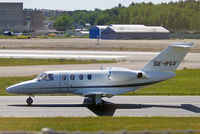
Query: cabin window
(89, 76)
(64, 77)
(72, 77)
(80, 77)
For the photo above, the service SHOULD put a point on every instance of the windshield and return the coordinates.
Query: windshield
(42, 76)
(45, 76)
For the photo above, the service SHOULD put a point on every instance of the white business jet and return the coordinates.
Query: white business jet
(96, 84)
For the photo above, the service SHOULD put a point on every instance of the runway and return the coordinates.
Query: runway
(75, 106)
(131, 60)
(57, 54)
(94, 55)
(70, 54)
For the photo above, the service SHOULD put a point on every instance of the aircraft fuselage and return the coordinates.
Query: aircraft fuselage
(110, 81)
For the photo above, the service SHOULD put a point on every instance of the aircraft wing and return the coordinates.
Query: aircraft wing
(100, 94)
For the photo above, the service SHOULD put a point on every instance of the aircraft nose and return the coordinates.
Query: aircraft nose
(20, 88)
(10, 89)
(15, 89)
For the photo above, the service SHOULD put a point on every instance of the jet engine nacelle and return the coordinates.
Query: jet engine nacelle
(124, 75)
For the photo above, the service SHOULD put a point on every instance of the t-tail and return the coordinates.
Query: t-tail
(169, 59)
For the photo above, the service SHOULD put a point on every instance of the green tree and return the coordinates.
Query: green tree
(63, 22)
(182, 15)
(103, 20)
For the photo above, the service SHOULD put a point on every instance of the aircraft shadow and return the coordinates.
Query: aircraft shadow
(109, 108)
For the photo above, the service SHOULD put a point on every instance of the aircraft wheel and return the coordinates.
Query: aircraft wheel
(29, 101)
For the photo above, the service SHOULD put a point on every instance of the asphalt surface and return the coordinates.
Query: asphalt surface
(59, 54)
(94, 55)
(91, 44)
(131, 60)
(73, 106)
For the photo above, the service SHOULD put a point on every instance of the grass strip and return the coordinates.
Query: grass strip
(100, 123)
(7, 37)
(185, 83)
(22, 62)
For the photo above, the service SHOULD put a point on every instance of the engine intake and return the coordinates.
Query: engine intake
(140, 75)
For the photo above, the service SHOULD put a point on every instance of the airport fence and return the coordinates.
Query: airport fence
(49, 131)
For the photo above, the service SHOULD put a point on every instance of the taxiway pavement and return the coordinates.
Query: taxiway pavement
(74, 106)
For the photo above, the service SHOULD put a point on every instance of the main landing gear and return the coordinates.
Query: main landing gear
(29, 101)
(99, 101)
(101, 104)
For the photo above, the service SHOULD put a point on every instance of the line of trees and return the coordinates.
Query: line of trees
(182, 15)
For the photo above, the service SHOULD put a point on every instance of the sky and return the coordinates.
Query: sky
(70, 5)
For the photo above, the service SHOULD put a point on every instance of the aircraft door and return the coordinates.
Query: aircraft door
(64, 83)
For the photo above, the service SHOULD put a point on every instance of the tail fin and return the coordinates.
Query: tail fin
(169, 59)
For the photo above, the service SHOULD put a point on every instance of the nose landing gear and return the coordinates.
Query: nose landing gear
(29, 101)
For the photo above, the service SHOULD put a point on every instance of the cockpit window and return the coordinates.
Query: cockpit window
(50, 77)
(45, 76)
(42, 76)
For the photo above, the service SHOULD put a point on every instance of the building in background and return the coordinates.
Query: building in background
(15, 19)
(37, 20)
(95, 31)
(120, 32)
(11, 17)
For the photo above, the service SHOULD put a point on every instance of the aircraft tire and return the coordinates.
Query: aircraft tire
(29, 101)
